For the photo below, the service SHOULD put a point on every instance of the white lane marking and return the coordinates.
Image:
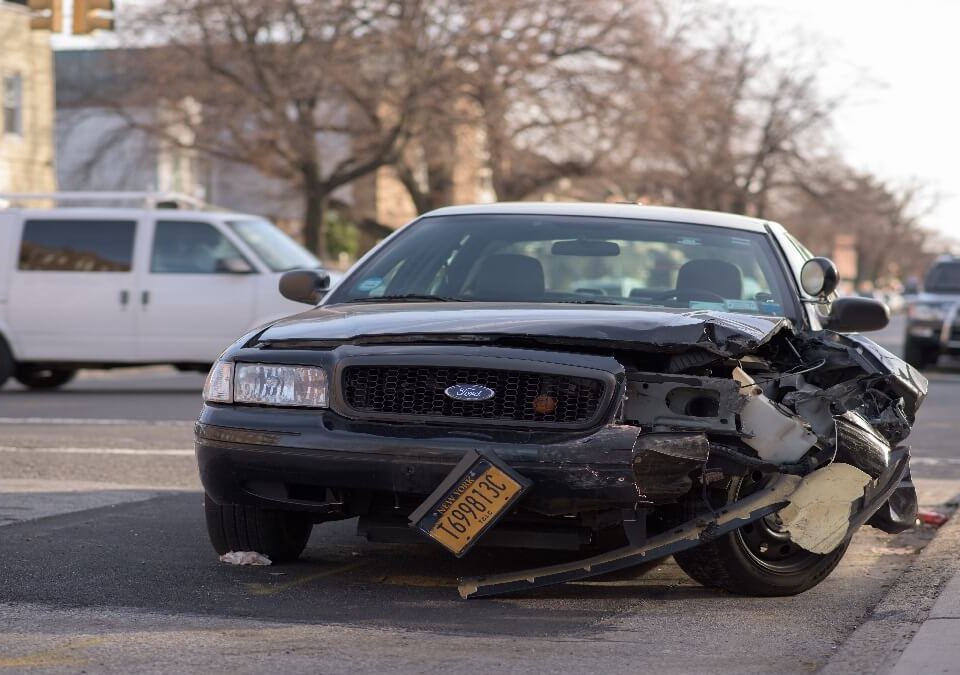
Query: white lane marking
(92, 421)
(177, 452)
(935, 461)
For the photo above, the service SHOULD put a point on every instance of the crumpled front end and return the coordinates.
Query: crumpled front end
(822, 417)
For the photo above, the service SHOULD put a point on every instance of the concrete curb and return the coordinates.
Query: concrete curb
(886, 633)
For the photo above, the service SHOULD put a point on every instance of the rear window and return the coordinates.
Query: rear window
(77, 245)
(943, 278)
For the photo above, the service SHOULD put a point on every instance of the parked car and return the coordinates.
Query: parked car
(933, 327)
(103, 287)
(453, 389)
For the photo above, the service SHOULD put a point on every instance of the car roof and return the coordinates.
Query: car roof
(126, 212)
(665, 214)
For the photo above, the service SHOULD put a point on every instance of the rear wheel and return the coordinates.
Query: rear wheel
(918, 354)
(758, 559)
(38, 377)
(279, 535)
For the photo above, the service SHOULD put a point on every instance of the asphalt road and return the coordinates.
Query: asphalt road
(105, 566)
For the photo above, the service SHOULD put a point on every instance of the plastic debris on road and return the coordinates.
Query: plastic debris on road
(245, 558)
(931, 518)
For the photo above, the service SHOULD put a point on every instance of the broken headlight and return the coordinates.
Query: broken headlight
(267, 384)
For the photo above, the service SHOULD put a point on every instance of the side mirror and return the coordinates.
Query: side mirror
(819, 277)
(233, 265)
(857, 315)
(307, 286)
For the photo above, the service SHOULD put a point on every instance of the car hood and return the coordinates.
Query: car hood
(935, 298)
(719, 332)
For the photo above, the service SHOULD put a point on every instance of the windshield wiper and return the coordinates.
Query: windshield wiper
(409, 297)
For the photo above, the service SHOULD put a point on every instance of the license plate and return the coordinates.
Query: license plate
(474, 496)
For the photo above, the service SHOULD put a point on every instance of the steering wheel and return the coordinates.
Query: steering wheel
(687, 294)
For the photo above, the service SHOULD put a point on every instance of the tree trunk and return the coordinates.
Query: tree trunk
(314, 225)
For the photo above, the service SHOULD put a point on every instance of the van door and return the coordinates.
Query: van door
(197, 294)
(71, 295)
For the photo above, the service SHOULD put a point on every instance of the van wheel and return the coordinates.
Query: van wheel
(279, 535)
(38, 377)
(6, 362)
(758, 559)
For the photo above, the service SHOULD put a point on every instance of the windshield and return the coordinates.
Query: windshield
(276, 249)
(573, 259)
(943, 278)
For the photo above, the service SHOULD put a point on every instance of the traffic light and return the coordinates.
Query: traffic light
(91, 15)
(46, 15)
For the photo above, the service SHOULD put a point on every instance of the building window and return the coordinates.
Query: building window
(13, 104)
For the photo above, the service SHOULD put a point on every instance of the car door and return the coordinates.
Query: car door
(197, 295)
(71, 294)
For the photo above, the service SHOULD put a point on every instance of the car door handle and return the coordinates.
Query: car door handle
(145, 298)
(124, 298)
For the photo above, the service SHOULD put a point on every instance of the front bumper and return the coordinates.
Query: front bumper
(307, 460)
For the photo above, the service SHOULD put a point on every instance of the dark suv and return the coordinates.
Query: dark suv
(933, 327)
(470, 383)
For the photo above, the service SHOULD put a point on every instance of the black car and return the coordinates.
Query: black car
(933, 325)
(465, 385)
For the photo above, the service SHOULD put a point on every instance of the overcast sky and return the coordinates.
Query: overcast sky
(904, 123)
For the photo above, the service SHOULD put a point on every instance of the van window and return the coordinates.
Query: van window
(181, 247)
(276, 249)
(77, 245)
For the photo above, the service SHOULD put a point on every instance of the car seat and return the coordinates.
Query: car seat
(508, 276)
(717, 276)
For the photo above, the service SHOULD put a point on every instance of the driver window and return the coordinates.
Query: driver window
(181, 247)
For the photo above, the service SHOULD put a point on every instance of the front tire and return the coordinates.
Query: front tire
(7, 364)
(917, 354)
(279, 535)
(758, 559)
(43, 378)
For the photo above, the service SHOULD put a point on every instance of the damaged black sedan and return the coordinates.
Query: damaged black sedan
(630, 381)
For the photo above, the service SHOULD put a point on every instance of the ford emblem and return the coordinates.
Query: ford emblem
(469, 392)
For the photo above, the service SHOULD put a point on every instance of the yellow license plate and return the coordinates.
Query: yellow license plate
(468, 503)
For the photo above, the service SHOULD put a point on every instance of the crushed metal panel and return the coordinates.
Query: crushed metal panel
(682, 403)
(663, 464)
(818, 516)
(775, 434)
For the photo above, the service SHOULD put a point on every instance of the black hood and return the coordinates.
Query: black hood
(719, 332)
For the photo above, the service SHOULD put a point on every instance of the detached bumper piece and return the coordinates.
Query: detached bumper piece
(768, 500)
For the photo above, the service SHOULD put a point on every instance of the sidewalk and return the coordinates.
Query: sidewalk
(936, 647)
(914, 629)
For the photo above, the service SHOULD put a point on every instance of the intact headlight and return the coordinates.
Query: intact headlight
(926, 312)
(266, 384)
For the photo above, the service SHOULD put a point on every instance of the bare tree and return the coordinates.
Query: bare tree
(884, 220)
(537, 79)
(727, 125)
(317, 94)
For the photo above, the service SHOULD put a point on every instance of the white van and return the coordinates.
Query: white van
(102, 287)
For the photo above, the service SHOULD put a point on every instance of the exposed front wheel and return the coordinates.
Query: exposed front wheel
(279, 535)
(758, 559)
(38, 377)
